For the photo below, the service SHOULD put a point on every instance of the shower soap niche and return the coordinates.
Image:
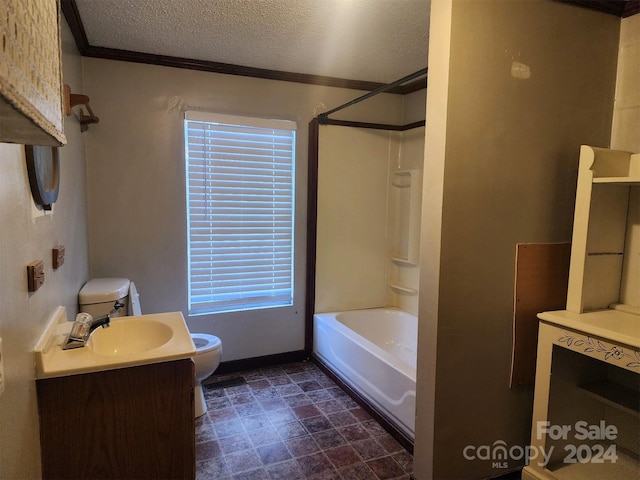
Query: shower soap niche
(405, 203)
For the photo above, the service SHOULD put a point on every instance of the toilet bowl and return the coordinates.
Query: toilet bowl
(98, 297)
(207, 359)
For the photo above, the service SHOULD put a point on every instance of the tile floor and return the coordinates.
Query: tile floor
(292, 422)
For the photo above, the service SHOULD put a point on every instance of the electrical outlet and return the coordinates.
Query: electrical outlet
(1, 368)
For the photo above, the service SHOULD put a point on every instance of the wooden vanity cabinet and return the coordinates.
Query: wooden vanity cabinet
(135, 422)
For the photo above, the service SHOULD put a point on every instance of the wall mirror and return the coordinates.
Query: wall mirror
(43, 167)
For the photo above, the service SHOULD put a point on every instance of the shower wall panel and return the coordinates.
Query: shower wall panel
(353, 168)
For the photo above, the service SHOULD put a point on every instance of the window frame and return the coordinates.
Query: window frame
(193, 117)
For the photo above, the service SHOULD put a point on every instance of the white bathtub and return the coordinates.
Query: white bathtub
(374, 351)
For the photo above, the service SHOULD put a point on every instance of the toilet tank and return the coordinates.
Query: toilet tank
(99, 295)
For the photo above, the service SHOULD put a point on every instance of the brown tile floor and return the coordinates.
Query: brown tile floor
(292, 422)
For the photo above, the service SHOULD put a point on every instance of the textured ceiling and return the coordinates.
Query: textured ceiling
(370, 40)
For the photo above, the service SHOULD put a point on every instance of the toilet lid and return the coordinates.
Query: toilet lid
(100, 290)
(134, 300)
(205, 342)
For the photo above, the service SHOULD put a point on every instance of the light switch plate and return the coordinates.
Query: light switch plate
(35, 275)
(1, 368)
(57, 256)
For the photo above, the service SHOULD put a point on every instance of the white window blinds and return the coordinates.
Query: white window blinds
(240, 201)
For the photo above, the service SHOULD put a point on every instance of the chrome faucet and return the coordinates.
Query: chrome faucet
(85, 324)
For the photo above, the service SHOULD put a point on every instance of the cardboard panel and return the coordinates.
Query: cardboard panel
(542, 274)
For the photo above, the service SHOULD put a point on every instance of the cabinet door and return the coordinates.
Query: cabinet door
(129, 423)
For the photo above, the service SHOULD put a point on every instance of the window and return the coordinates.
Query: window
(240, 202)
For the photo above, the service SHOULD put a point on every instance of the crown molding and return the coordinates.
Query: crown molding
(619, 8)
(72, 15)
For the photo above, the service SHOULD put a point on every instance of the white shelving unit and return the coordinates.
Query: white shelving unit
(593, 347)
(605, 251)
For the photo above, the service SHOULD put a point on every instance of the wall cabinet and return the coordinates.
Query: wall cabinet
(31, 73)
(126, 423)
(586, 418)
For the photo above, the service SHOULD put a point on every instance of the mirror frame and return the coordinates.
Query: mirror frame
(43, 168)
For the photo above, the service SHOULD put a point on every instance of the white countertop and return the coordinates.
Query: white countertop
(615, 325)
(52, 361)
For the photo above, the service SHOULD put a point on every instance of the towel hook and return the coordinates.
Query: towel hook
(72, 100)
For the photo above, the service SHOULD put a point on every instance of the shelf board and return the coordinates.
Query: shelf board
(615, 395)
(404, 261)
(403, 289)
(629, 181)
(634, 309)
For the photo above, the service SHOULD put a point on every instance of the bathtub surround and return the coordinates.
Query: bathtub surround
(364, 257)
(364, 221)
(353, 166)
(365, 190)
(403, 228)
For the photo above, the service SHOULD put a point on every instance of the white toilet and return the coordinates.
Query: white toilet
(209, 352)
(98, 297)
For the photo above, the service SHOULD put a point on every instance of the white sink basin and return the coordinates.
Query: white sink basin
(127, 342)
(129, 336)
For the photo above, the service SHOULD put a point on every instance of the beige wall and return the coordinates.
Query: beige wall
(625, 132)
(506, 152)
(29, 234)
(136, 183)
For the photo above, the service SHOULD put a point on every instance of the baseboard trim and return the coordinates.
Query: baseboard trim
(511, 474)
(394, 431)
(234, 366)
